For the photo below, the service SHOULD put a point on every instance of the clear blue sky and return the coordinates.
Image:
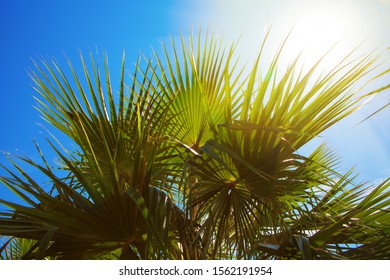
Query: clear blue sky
(52, 28)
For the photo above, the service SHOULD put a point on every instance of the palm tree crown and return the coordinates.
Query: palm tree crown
(196, 158)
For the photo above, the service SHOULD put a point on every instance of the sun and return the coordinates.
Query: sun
(314, 35)
(330, 28)
(317, 26)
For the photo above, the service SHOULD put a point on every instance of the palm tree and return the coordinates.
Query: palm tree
(196, 158)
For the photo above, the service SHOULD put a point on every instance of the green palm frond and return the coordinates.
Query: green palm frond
(118, 150)
(197, 76)
(336, 222)
(250, 172)
(17, 248)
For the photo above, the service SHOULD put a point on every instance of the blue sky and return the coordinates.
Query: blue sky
(53, 28)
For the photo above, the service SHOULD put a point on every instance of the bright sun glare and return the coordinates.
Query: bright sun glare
(317, 26)
(322, 26)
(314, 35)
